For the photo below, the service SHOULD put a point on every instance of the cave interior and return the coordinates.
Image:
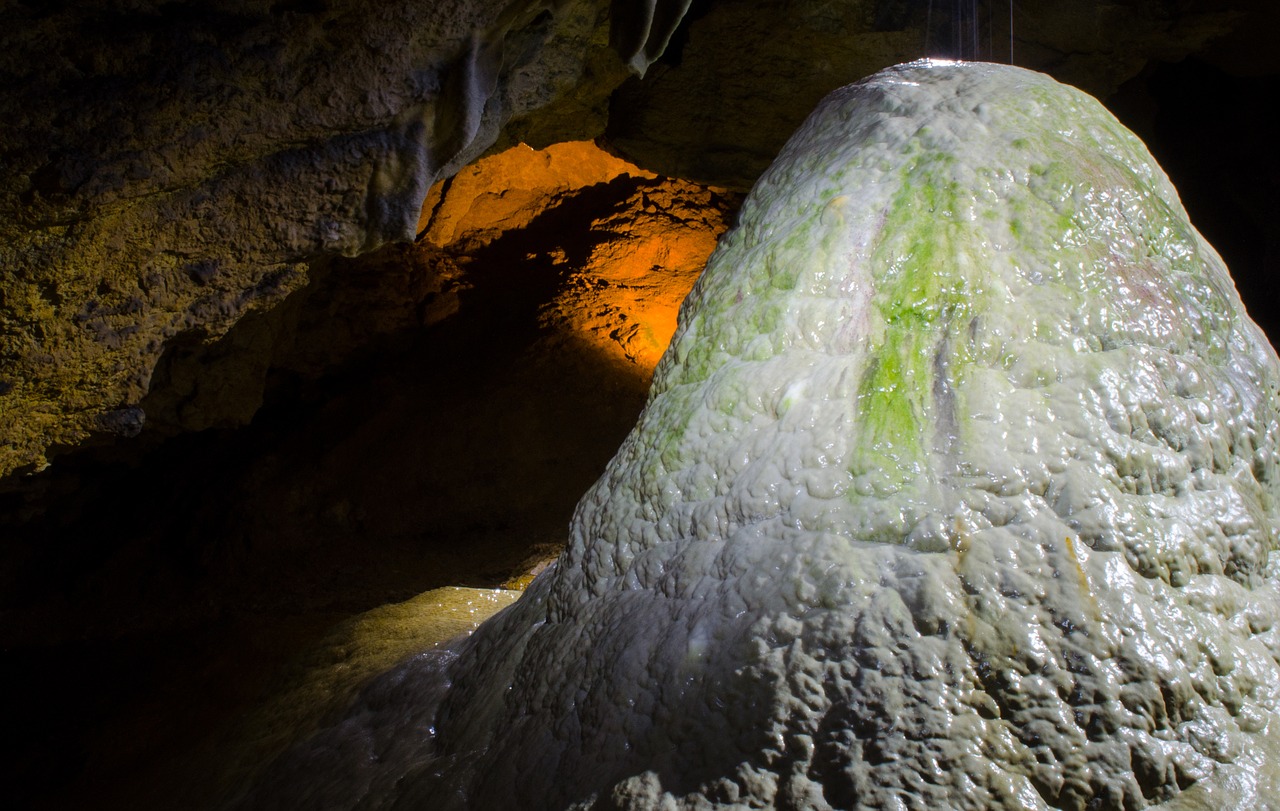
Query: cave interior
(423, 412)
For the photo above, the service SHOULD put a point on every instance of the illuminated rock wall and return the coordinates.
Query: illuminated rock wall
(170, 167)
(624, 275)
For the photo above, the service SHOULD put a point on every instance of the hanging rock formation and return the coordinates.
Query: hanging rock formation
(956, 489)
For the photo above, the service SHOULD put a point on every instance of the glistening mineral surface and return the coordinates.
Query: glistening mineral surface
(955, 490)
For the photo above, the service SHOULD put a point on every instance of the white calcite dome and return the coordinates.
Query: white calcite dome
(956, 489)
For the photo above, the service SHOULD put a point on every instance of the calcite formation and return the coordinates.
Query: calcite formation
(956, 489)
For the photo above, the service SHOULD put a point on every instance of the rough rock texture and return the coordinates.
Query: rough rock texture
(736, 84)
(626, 294)
(448, 398)
(169, 167)
(506, 192)
(956, 489)
(431, 413)
(621, 281)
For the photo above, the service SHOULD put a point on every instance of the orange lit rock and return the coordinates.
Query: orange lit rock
(626, 297)
(506, 191)
(618, 247)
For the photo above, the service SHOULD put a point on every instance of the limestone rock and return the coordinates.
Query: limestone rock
(955, 489)
(170, 167)
(621, 279)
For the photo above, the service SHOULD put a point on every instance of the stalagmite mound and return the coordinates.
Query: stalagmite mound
(956, 489)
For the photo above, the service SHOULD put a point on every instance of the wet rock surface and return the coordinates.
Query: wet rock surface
(180, 182)
(957, 488)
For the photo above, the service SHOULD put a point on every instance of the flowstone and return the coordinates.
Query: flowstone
(955, 490)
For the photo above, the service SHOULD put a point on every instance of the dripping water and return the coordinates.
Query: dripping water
(961, 32)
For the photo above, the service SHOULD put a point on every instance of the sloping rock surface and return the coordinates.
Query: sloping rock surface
(956, 489)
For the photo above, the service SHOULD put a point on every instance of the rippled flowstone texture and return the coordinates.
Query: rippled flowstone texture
(956, 489)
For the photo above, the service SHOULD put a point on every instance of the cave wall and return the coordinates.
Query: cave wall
(171, 167)
(430, 413)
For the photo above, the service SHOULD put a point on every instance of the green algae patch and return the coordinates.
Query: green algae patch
(921, 290)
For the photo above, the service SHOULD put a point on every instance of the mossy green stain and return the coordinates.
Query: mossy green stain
(783, 279)
(921, 290)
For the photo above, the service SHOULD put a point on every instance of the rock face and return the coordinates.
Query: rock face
(170, 167)
(956, 489)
